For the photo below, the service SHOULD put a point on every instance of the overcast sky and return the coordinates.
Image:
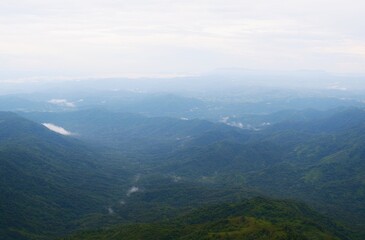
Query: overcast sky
(158, 37)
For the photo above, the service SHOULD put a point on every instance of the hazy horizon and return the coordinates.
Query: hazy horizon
(91, 39)
(182, 119)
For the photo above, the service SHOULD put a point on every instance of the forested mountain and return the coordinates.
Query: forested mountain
(48, 181)
(182, 120)
(134, 131)
(257, 218)
(125, 168)
(320, 161)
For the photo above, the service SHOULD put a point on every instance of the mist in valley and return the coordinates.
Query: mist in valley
(182, 120)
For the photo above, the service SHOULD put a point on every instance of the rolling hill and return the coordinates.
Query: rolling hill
(48, 180)
(257, 218)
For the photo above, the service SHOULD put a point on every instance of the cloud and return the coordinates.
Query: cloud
(176, 178)
(132, 190)
(97, 37)
(57, 129)
(336, 86)
(110, 211)
(227, 121)
(62, 103)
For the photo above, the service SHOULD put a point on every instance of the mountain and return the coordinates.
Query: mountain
(320, 161)
(344, 120)
(48, 181)
(162, 105)
(257, 218)
(23, 103)
(132, 132)
(307, 159)
(326, 170)
(223, 157)
(53, 184)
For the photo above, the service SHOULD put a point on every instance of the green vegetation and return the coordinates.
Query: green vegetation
(49, 181)
(258, 218)
(53, 185)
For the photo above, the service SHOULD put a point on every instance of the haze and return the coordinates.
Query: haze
(42, 39)
(182, 119)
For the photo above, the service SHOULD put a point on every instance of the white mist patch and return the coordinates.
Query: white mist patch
(62, 103)
(110, 211)
(176, 178)
(57, 129)
(132, 190)
(226, 121)
(336, 86)
(235, 124)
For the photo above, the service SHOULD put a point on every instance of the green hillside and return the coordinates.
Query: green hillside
(175, 166)
(47, 181)
(257, 218)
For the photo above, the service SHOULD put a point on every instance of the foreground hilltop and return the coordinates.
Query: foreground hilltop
(257, 218)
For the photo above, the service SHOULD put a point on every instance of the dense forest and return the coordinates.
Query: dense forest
(113, 174)
(182, 120)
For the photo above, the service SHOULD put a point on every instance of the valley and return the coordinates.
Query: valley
(152, 174)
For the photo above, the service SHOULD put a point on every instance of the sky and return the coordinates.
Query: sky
(110, 38)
